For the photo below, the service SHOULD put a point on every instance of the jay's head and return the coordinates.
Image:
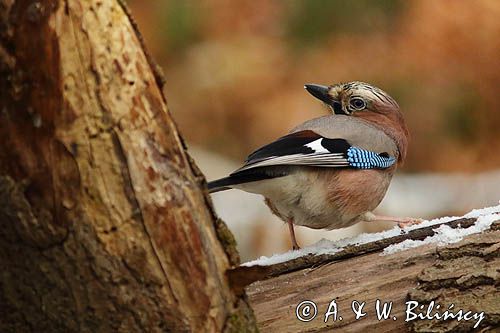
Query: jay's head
(352, 98)
(359, 99)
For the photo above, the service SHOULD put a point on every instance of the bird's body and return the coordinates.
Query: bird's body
(301, 196)
(301, 193)
(329, 172)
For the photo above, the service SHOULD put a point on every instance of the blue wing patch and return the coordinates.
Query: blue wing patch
(365, 159)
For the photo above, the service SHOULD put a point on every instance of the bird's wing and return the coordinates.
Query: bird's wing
(308, 148)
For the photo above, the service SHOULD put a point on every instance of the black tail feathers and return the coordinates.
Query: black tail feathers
(246, 176)
(220, 184)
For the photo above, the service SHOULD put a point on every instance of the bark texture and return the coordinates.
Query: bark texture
(104, 223)
(465, 274)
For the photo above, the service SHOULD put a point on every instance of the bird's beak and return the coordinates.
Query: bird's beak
(321, 93)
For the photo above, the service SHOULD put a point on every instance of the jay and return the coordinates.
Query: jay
(330, 172)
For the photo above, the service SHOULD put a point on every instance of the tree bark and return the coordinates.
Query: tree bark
(105, 225)
(464, 274)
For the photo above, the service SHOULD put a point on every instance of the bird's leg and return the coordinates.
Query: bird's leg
(402, 222)
(295, 245)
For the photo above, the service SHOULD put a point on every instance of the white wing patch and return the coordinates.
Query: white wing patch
(317, 147)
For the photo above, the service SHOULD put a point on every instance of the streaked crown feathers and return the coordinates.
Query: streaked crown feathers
(353, 94)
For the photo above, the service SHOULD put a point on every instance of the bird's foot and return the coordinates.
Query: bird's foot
(409, 221)
(402, 222)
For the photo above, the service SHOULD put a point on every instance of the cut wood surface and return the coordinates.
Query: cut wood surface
(466, 274)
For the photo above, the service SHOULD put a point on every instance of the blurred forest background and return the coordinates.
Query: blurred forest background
(235, 72)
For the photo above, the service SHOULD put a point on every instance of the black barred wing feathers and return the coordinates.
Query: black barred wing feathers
(304, 148)
(308, 148)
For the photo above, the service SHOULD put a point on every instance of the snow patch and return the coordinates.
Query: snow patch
(444, 235)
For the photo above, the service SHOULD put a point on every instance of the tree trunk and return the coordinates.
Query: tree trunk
(104, 223)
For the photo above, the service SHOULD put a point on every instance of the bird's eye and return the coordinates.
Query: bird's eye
(357, 103)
